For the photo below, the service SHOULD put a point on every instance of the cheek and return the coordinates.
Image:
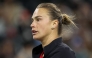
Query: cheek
(44, 26)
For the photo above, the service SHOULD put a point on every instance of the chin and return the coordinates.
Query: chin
(36, 37)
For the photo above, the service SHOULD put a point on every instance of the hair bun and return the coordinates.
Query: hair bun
(65, 19)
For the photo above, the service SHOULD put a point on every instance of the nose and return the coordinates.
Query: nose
(32, 25)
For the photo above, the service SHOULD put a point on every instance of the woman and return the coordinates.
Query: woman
(47, 28)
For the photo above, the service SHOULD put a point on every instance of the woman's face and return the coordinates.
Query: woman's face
(41, 25)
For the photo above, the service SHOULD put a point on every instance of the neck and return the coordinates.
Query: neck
(47, 40)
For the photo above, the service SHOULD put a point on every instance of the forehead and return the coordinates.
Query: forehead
(40, 12)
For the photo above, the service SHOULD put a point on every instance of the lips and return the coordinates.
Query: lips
(34, 32)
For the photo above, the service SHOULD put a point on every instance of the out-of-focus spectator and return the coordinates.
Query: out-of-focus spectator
(26, 51)
(11, 11)
(84, 15)
(7, 49)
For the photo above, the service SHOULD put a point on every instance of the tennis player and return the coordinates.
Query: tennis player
(47, 21)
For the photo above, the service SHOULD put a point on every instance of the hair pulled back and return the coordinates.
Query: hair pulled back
(55, 13)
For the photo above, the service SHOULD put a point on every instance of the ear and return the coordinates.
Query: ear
(54, 24)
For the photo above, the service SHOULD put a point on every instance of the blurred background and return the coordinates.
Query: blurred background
(15, 33)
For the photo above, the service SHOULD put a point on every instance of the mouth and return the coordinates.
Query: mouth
(34, 32)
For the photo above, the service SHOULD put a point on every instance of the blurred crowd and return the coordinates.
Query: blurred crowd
(15, 32)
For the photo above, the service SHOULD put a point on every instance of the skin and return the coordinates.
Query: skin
(45, 27)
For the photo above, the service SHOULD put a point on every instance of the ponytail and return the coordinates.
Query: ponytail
(67, 25)
(67, 20)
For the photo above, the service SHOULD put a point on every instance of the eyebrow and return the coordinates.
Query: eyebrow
(37, 17)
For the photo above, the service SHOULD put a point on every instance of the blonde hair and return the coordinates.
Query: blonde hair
(55, 13)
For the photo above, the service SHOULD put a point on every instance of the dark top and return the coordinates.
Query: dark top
(56, 49)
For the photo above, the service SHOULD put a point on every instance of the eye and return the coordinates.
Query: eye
(38, 19)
